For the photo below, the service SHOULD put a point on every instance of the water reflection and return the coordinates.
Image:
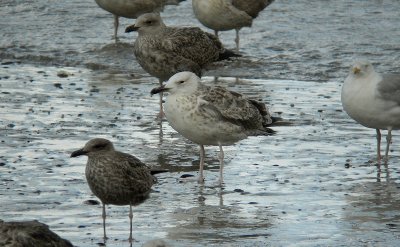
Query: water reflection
(374, 205)
(386, 172)
(217, 223)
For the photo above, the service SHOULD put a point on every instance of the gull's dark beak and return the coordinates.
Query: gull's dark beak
(78, 153)
(131, 28)
(158, 90)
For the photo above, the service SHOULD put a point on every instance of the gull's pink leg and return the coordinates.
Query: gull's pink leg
(116, 25)
(388, 141)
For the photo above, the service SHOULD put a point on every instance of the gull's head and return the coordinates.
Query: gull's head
(94, 146)
(183, 82)
(361, 68)
(147, 23)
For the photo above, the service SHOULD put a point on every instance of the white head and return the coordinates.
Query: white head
(183, 82)
(149, 23)
(361, 68)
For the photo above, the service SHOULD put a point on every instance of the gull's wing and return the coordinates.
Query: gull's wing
(234, 107)
(191, 43)
(251, 7)
(389, 87)
(137, 174)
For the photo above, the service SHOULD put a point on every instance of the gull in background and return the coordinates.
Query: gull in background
(132, 8)
(223, 15)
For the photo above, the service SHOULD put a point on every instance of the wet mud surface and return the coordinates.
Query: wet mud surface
(63, 81)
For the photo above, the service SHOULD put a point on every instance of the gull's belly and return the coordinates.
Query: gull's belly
(199, 128)
(371, 111)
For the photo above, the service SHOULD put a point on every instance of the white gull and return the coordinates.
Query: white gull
(373, 100)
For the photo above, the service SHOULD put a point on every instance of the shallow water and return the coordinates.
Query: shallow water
(309, 185)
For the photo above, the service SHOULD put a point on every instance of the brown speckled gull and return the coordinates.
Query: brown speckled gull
(163, 51)
(222, 15)
(132, 8)
(114, 177)
(29, 233)
(212, 115)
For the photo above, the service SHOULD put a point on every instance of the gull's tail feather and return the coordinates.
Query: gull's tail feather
(278, 121)
(153, 172)
(226, 54)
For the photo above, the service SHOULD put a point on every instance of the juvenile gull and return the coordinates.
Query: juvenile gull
(163, 51)
(29, 233)
(114, 177)
(373, 100)
(212, 115)
(132, 8)
(223, 15)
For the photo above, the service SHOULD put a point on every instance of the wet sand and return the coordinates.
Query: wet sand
(63, 82)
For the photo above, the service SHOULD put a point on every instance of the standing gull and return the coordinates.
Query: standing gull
(114, 177)
(223, 15)
(373, 100)
(212, 115)
(132, 8)
(29, 233)
(163, 51)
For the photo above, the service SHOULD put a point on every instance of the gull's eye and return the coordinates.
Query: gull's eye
(180, 82)
(99, 146)
(148, 22)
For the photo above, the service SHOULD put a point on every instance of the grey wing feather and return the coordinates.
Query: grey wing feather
(389, 87)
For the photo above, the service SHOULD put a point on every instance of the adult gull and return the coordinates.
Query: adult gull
(373, 100)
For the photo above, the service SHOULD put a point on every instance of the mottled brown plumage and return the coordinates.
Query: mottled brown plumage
(234, 107)
(29, 234)
(114, 177)
(163, 51)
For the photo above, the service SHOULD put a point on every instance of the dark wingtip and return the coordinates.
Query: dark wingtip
(226, 54)
(153, 172)
(131, 28)
(278, 121)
